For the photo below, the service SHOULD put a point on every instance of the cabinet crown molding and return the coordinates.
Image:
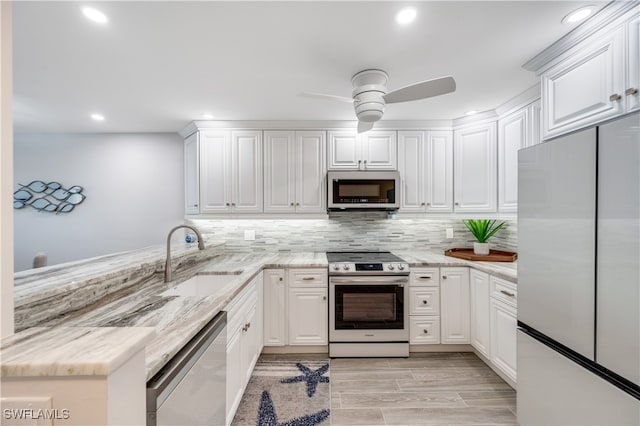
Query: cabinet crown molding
(604, 17)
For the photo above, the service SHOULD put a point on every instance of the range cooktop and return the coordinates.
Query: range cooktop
(362, 256)
(366, 263)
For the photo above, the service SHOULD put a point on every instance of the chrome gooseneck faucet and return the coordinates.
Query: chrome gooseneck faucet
(167, 265)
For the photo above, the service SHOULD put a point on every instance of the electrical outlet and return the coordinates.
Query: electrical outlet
(449, 232)
(249, 235)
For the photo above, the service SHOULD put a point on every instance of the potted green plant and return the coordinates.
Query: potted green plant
(482, 230)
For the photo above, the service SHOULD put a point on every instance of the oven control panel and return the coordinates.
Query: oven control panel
(385, 268)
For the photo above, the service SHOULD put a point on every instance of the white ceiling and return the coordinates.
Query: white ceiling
(156, 66)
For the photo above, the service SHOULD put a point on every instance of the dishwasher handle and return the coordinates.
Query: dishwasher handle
(164, 382)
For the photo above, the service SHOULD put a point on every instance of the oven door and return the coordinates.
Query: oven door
(369, 309)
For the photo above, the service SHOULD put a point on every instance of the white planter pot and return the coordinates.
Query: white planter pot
(481, 248)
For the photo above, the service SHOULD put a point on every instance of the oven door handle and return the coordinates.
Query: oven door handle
(369, 280)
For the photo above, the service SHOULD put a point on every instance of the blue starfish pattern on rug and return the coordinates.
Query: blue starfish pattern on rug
(310, 376)
(267, 415)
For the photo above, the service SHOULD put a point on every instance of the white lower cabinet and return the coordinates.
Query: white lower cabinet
(504, 327)
(308, 307)
(480, 326)
(454, 304)
(244, 342)
(296, 307)
(275, 295)
(424, 306)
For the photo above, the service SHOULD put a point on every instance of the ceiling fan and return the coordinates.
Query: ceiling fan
(370, 94)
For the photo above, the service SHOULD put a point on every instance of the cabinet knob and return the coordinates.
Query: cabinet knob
(280, 279)
(425, 302)
(233, 204)
(615, 97)
(422, 204)
(195, 205)
(457, 204)
(444, 277)
(428, 204)
(631, 91)
(324, 297)
(291, 204)
(365, 164)
(359, 163)
(228, 204)
(297, 204)
(426, 331)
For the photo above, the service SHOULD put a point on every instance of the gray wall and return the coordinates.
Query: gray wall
(350, 231)
(134, 185)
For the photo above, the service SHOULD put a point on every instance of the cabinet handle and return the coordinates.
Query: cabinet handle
(422, 204)
(631, 91)
(425, 302)
(425, 277)
(359, 163)
(426, 331)
(324, 297)
(615, 97)
(280, 279)
(444, 277)
(365, 164)
(428, 204)
(244, 329)
(291, 204)
(195, 205)
(248, 326)
(233, 204)
(457, 204)
(308, 278)
(297, 204)
(228, 204)
(507, 293)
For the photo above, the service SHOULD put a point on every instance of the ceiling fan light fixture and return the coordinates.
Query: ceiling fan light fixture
(97, 117)
(578, 15)
(406, 16)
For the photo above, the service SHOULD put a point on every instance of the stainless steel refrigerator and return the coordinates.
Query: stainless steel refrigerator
(579, 278)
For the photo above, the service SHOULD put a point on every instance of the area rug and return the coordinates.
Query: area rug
(286, 393)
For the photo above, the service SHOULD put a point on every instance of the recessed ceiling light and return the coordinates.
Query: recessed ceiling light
(473, 111)
(578, 15)
(94, 14)
(406, 15)
(97, 117)
(207, 116)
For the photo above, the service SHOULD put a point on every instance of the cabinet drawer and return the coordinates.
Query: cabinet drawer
(424, 330)
(424, 301)
(504, 290)
(316, 277)
(425, 277)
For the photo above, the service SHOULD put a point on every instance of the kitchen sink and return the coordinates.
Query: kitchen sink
(202, 285)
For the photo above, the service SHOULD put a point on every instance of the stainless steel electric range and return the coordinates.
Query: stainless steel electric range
(368, 305)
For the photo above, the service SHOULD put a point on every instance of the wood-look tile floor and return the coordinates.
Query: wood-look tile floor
(425, 389)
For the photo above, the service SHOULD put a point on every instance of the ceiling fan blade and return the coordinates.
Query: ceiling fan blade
(364, 126)
(425, 89)
(325, 97)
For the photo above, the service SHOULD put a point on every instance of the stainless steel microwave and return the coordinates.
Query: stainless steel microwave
(363, 190)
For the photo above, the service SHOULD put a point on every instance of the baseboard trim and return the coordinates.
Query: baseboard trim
(440, 348)
(315, 349)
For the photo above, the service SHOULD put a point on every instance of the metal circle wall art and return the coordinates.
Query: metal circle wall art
(52, 197)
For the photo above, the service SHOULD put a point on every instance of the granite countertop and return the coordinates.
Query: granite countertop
(164, 323)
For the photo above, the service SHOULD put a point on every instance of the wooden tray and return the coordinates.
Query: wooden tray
(493, 256)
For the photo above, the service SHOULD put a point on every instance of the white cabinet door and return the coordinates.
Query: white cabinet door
(480, 323)
(454, 305)
(632, 88)
(235, 374)
(215, 171)
(373, 150)
(247, 171)
(279, 172)
(512, 135)
(310, 172)
(191, 175)
(586, 88)
(379, 150)
(503, 337)
(274, 325)
(308, 316)
(475, 169)
(411, 165)
(534, 135)
(439, 171)
(250, 347)
(344, 151)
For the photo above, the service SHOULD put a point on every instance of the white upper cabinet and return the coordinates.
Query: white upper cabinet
(373, 150)
(632, 88)
(215, 171)
(512, 135)
(475, 168)
(295, 168)
(230, 171)
(191, 175)
(426, 171)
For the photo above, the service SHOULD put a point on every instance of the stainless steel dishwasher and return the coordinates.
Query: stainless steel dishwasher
(191, 388)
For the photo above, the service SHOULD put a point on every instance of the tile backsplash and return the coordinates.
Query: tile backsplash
(349, 231)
